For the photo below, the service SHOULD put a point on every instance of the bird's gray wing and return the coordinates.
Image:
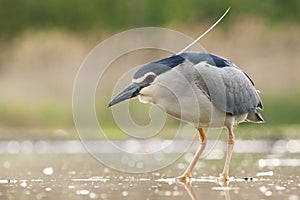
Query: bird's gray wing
(229, 88)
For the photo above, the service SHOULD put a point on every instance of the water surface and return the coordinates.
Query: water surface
(72, 173)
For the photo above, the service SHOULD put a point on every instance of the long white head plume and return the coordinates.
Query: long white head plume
(203, 34)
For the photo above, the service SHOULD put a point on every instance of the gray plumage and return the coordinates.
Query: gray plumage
(226, 86)
(203, 89)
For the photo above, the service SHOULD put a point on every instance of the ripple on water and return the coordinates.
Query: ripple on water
(91, 179)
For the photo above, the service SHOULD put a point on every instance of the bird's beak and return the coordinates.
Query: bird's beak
(131, 91)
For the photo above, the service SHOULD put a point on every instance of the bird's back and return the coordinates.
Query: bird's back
(194, 86)
(227, 86)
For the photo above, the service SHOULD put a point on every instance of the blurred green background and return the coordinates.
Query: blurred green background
(43, 43)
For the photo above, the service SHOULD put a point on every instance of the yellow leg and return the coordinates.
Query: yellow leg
(230, 144)
(185, 177)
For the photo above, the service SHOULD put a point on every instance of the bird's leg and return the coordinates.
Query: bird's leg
(230, 144)
(185, 177)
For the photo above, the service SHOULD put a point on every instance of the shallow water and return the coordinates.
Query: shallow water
(24, 174)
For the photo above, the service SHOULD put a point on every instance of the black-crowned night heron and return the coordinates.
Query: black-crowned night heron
(202, 89)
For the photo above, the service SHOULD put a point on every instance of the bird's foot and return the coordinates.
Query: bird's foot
(223, 179)
(185, 178)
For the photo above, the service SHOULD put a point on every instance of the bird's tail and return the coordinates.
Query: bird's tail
(255, 116)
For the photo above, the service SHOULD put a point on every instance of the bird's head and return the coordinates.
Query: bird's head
(145, 76)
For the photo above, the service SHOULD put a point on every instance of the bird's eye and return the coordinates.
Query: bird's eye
(150, 78)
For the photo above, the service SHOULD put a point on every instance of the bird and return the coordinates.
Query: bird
(202, 89)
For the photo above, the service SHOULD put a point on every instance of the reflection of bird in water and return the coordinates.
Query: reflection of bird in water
(202, 89)
(189, 189)
(188, 186)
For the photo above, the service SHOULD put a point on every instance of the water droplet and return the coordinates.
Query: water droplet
(277, 187)
(268, 173)
(93, 195)
(263, 189)
(48, 171)
(124, 193)
(144, 179)
(82, 192)
(23, 184)
(268, 193)
(262, 163)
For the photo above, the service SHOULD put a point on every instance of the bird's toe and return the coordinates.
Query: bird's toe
(183, 178)
(223, 179)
